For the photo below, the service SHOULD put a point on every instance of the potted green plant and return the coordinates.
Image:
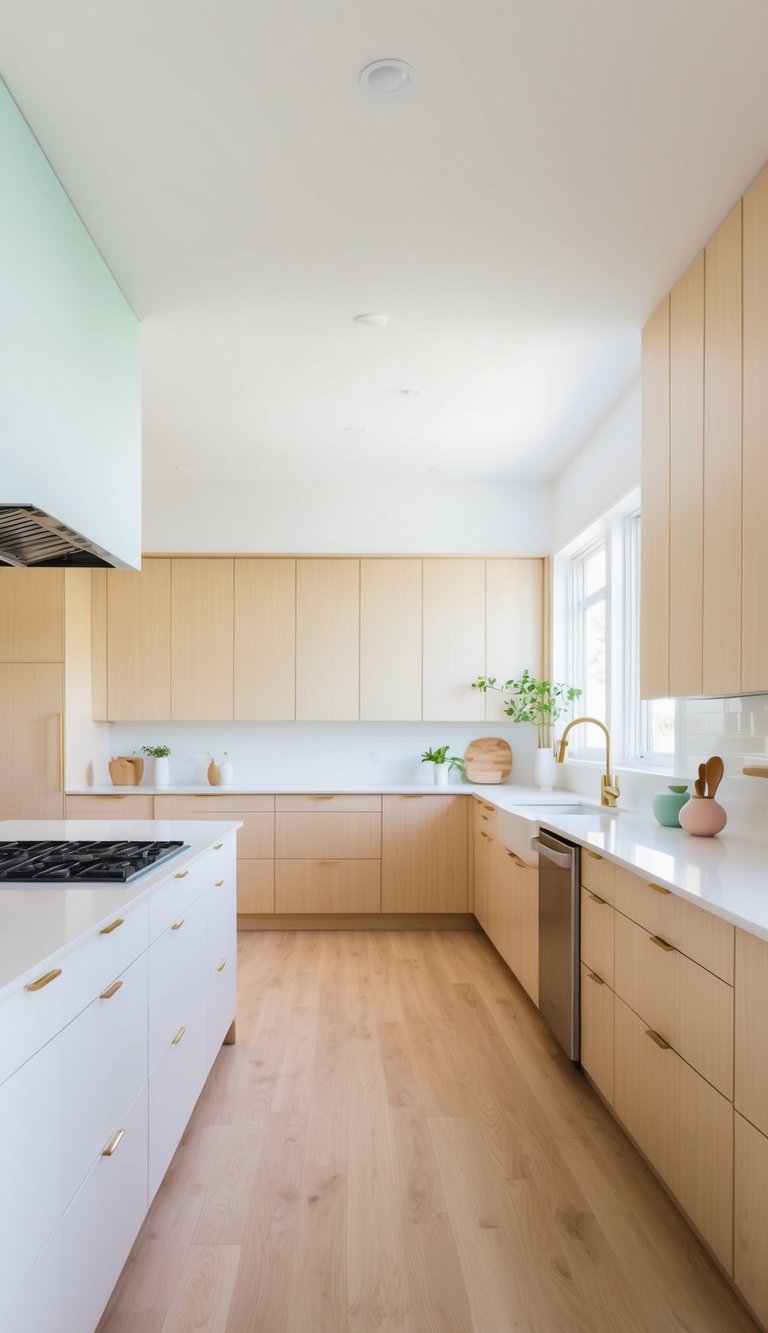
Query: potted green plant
(443, 764)
(540, 703)
(162, 769)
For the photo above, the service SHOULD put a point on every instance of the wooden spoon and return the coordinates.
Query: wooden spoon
(699, 783)
(714, 774)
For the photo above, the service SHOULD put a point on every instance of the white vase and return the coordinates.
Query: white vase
(162, 774)
(544, 768)
(441, 774)
(226, 774)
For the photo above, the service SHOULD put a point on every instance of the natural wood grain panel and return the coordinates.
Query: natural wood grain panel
(514, 630)
(597, 1031)
(232, 803)
(722, 458)
(754, 665)
(31, 709)
(265, 640)
(654, 546)
(139, 643)
(110, 807)
(202, 640)
(31, 615)
(255, 886)
(99, 643)
(318, 833)
(328, 886)
(750, 1223)
(686, 481)
(322, 802)
(328, 640)
(705, 938)
(390, 640)
(424, 854)
(454, 639)
(597, 929)
(751, 1049)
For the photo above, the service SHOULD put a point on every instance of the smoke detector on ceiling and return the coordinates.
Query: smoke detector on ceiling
(371, 321)
(387, 80)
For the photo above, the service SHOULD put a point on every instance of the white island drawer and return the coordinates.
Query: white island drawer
(177, 974)
(174, 1087)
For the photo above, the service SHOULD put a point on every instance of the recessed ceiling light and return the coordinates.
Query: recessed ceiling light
(387, 79)
(355, 430)
(181, 469)
(374, 321)
(409, 393)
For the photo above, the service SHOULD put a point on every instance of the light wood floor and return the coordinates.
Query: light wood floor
(396, 1145)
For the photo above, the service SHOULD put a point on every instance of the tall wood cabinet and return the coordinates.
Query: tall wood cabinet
(390, 640)
(454, 639)
(32, 693)
(328, 640)
(265, 640)
(202, 649)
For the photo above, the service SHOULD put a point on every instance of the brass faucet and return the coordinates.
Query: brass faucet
(610, 789)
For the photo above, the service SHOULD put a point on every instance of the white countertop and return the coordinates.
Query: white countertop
(499, 792)
(40, 924)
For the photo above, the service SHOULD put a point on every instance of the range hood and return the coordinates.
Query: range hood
(32, 539)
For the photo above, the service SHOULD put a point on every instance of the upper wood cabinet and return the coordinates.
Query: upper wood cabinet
(265, 640)
(328, 640)
(32, 615)
(454, 639)
(138, 643)
(754, 619)
(514, 622)
(654, 549)
(202, 620)
(390, 640)
(686, 481)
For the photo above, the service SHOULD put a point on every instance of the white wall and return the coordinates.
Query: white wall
(70, 397)
(603, 472)
(408, 517)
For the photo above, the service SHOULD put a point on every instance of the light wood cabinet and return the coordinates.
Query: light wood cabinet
(654, 548)
(111, 807)
(202, 645)
(722, 459)
(256, 887)
(701, 936)
(327, 834)
(597, 1031)
(255, 840)
(597, 874)
(330, 885)
(754, 622)
(750, 1221)
(328, 640)
(454, 639)
(518, 919)
(138, 643)
(597, 934)
(390, 640)
(314, 802)
(681, 1123)
(424, 854)
(265, 640)
(751, 1053)
(31, 725)
(514, 622)
(686, 481)
(31, 615)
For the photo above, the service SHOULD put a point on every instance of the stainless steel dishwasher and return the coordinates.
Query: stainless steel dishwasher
(559, 938)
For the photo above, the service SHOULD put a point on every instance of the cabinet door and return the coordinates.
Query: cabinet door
(31, 704)
(265, 640)
(328, 886)
(514, 626)
(31, 615)
(722, 459)
(256, 886)
(750, 1238)
(390, 640)
(654, 549)
(138, 626)
(686, 478)
(597, 1031)
(424, 854)
(328, 640)
(754, 666)
(751, 1053)
(202, 660)
(454, 640)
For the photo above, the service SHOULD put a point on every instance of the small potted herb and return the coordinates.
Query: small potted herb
(540, 702)
(162, 769)
(443, 764)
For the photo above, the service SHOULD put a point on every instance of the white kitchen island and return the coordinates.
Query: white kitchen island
(114, 1002)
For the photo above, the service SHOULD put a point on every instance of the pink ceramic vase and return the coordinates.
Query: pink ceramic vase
(703, 817)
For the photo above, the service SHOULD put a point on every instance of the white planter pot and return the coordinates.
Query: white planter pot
(544, 768)
(162, 773)
(441, 774)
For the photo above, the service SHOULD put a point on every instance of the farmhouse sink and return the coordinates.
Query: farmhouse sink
(519, 827)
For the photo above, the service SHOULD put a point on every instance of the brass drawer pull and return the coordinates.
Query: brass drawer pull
(217, 846)
(485, 817)
(410, 796)
(222, 965)
(597, 980)
(594, 898)
(218, 883)
(660, 1042)
(112, 926)
(518, 860)
(111, 990)
(113, 1144)
(662, 944)
(175, 1040)
(657, 888)
(594, 856)
(178, 924)
(44, 980)
(321, 798)
(182, 874)
(488, 807)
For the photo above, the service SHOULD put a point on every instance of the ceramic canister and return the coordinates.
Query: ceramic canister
(703, 817)
(666, 805)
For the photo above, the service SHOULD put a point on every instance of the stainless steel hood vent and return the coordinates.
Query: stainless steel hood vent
(30, 538)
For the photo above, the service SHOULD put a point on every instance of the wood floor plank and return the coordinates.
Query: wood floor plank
(202, 1298)
(318, 1302)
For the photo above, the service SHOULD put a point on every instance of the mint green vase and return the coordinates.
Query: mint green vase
(666, 805)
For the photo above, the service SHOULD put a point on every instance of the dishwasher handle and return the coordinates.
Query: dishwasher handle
(562, 859)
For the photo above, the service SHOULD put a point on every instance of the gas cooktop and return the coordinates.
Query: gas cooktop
(81, 862)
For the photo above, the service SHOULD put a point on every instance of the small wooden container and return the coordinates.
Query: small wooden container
(126, 770)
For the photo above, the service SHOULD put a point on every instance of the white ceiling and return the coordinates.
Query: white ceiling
(516, 216)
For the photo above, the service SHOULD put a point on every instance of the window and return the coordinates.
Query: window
(651, 734)
(590, 645)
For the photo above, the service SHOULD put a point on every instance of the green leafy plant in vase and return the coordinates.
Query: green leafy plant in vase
(162, 769)
(538, 702)
(444, 764)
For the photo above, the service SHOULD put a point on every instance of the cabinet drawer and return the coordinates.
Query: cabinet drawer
(174, 1087)
(597, 1031)
(697, 933)
(104, 1069)
(193, 807)
(683, 1002)
(364, 803)
(28, 1019)
(597, 873)
(222, 922)
(177, 974)
(485, 816)
(255, 838)
(682, 1124)
(751, 1055)
(256, 886)
(221, 1004)
(750, 1238)
(111, 807)
(171, 898)
(101, 1223)
(328, 886)
(597, 918)
(328, 834)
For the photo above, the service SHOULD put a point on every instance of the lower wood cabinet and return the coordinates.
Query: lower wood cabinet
(750, 1234)
(140, 806)
(517, 918)
(424, 854)
(328, 885)
(751, 1054)
(255, 840)
(597, 1031)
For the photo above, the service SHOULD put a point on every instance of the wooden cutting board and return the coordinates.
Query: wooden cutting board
(488, 759)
